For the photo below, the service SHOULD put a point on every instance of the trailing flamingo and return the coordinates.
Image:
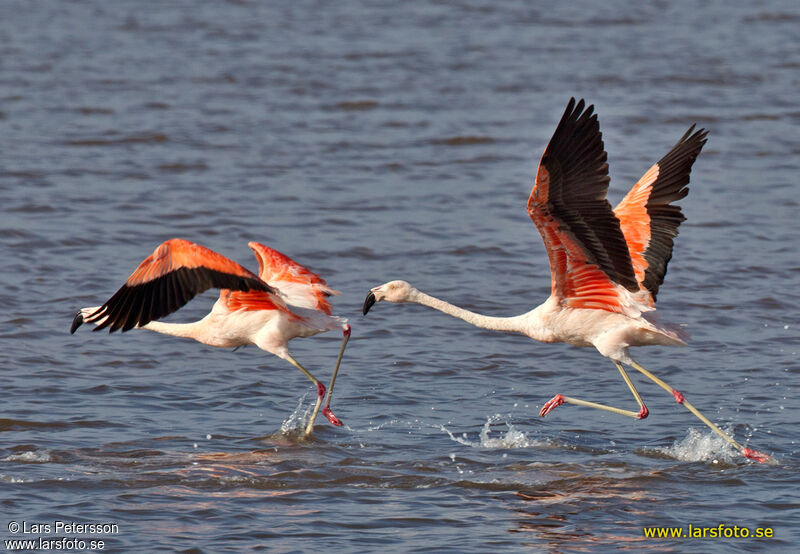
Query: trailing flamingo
(284, 301)
(606, 265)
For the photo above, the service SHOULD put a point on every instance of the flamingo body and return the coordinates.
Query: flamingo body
(606, 265)
(609, 332)
(285, 301)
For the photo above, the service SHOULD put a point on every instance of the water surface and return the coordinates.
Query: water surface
(372, 143)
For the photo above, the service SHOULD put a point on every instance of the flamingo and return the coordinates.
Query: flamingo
(606, 265)
(284, 301)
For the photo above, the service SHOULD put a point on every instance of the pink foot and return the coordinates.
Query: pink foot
(320, 389)
(755, 455)
(643, 413)
(678, 396)
(326, 411)
(551, 405)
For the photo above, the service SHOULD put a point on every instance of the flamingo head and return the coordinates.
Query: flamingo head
(393, 291)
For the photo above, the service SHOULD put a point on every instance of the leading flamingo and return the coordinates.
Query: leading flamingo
(606, 265)
(284, 301)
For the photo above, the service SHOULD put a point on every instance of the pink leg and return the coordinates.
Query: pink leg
(560, 399)
(326, 411)
(680, 399)
(755, 455)
(320, 392)
(551, 405)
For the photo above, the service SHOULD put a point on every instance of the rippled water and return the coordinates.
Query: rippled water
(373, 142)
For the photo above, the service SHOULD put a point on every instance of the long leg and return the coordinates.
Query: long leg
(560, 399)
(679, 398)
(320, 391)
(326, 411)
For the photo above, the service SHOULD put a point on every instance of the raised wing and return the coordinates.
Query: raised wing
(173, 274)
(648, 220)
(589, 261)
(299, 285)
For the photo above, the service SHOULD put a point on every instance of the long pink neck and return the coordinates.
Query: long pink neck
(185, 330)
(510, 324)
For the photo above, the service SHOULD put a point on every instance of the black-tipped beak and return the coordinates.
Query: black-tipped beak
(368, 302)
(77, 322)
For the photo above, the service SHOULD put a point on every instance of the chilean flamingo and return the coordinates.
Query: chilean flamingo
(606, 265)
(284, 301)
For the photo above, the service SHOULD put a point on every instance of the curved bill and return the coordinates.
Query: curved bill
(77, 322)
(368, 302)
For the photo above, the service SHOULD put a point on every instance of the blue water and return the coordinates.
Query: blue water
(373, 142)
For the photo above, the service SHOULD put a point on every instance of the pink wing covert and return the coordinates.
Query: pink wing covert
(298, 285)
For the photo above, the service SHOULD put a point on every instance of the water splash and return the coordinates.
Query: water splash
(31, 456)
(296, 423)
(700, 446)
(512, 438)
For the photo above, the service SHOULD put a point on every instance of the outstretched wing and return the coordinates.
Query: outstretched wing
(299, 285)
(175, 273)
(590, 265)
(648, 219)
